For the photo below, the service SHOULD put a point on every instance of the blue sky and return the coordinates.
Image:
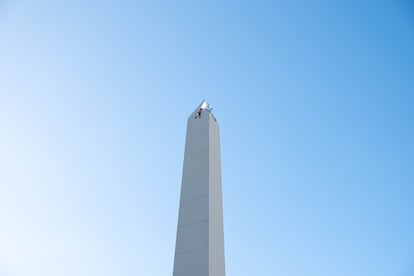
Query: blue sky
(315, 103)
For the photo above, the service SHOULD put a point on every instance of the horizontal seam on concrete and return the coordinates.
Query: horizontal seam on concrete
(200, 173)
(216, 231)
(190, 251)
(193, 223)
(196, 151)
(209, 248)
(194, 198)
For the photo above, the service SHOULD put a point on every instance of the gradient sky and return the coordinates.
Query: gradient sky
(315, 100)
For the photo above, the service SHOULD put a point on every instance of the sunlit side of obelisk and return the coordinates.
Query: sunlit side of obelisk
(200, 240)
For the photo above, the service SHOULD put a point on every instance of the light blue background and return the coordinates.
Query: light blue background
(315, 100)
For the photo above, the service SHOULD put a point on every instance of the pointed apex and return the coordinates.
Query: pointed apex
(204, 106)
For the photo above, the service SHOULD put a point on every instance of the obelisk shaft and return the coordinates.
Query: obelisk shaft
(200, 238)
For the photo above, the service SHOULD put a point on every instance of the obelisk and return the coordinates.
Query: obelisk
(199, 247)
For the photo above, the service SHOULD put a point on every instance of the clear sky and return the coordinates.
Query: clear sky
(315, 100)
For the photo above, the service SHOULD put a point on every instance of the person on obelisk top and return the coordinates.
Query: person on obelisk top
(204, 106)
(198, 114)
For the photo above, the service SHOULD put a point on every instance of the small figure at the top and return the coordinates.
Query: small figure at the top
(198, 114)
